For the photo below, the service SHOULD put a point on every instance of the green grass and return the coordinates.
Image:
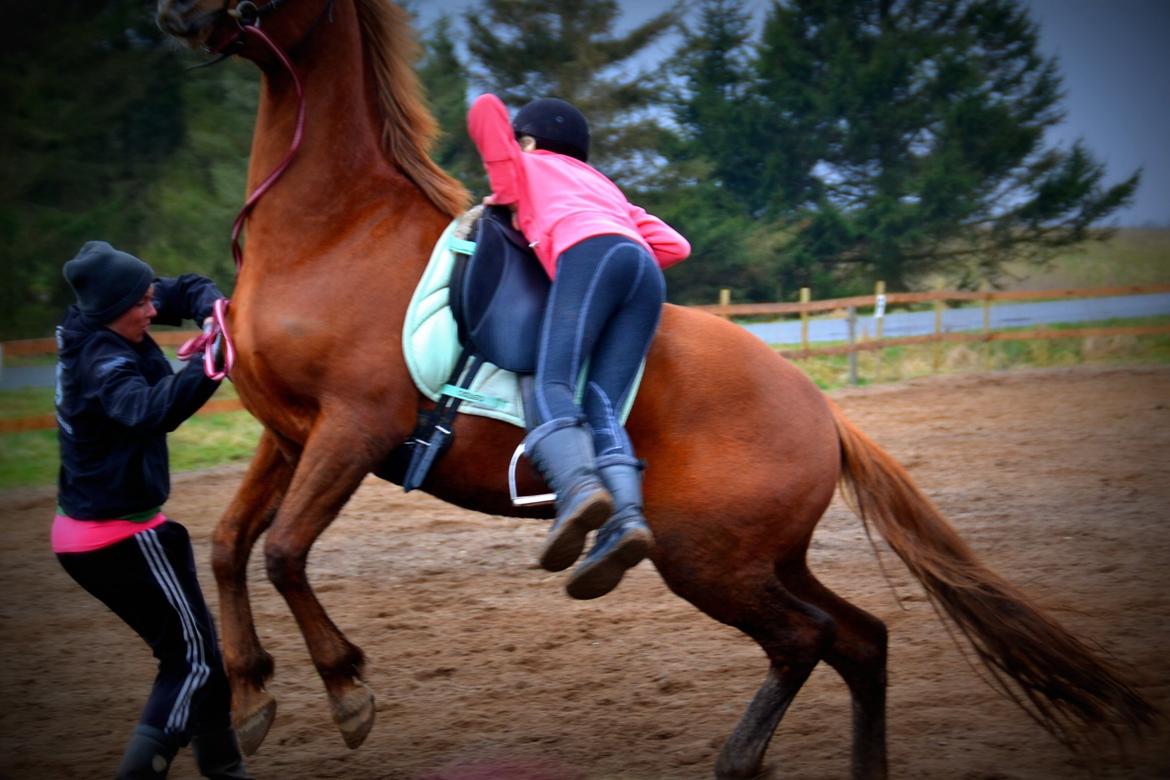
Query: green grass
(1133, 256)
(26, 402)
(30, 458)
(214, 440)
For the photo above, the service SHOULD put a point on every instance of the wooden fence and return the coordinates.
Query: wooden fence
(879, 301)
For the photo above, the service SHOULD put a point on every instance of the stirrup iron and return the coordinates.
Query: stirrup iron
(539, 499)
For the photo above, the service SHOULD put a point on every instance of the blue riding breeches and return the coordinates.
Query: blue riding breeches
(603, 309)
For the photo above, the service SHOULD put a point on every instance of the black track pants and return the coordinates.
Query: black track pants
(149, 581)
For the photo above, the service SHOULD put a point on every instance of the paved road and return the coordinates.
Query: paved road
(15, 377)
(1014, 315)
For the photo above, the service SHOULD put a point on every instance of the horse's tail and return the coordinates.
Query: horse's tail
(1058, 680)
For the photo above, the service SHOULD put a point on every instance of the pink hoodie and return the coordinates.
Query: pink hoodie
(561, 201)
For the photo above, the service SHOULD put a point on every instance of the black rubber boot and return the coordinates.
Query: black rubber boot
(148, 755)
(562, 450)
(218, 756)
(623, 541)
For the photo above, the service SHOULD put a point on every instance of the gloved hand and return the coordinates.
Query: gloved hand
(215, 347)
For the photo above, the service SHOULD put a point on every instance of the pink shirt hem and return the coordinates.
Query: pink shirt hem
(76, 536)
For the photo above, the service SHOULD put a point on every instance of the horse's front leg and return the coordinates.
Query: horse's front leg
(247, 664)
(335, 459)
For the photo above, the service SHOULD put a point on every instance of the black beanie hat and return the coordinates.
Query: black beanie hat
(556, 125)
(106, 281)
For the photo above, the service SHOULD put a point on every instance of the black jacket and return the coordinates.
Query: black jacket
(116, 402)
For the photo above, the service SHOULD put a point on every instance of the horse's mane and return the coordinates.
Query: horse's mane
(408, 128)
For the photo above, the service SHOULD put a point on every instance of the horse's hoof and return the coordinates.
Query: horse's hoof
(354, 714)
(252, 726)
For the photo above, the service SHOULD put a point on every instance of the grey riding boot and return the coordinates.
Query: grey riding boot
(562, 450)
(623, 541)
(218, 756)
(148, 755)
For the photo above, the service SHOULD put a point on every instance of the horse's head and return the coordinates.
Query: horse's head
(215, 25)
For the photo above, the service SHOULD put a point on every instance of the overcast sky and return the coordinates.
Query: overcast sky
(1115, 59)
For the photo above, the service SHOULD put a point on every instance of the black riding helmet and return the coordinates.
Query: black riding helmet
(556, 125)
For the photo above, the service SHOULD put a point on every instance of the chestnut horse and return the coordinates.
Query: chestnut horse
(744, 451)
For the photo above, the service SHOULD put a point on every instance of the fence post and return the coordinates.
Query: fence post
(987, 347)
(879, 321)
(725, 300)
(938, 330)
(805, 297)
(852, 345)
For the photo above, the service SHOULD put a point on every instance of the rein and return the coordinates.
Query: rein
(247, 15)
(238, 226)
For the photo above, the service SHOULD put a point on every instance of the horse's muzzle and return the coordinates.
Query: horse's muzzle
(184, 18)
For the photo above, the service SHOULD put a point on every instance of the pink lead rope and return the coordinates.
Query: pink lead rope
(208, 342)
(217, 329)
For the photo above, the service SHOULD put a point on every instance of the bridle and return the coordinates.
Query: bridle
(248, 13)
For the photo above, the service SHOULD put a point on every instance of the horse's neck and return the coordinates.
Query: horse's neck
(340, 175)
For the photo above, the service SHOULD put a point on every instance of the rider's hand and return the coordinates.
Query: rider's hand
(490, 200)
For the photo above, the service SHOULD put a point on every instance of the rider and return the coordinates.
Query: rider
(605, 257)
(117, 398)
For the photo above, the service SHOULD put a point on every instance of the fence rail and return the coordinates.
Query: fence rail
(879, 300)
(1010, 335)
(863, 301)
(34, 347)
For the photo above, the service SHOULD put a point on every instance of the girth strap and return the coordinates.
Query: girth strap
(432, 436)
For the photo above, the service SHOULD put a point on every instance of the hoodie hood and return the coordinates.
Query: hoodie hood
(73, 332)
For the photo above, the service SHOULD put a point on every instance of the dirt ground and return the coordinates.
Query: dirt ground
(482, 668)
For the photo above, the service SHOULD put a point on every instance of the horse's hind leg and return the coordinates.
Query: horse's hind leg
(858, 654)
(247, 664)
(795, 636)
(330, 469)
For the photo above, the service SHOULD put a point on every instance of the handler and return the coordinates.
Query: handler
(117, 398)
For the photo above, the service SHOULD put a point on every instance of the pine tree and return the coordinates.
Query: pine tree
(907, 136)
(525, 49)
(195, 197)
(710, 179)
(889, 138)
(715, 104)
(90, 97)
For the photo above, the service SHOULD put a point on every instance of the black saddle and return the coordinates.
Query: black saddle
(498, 295)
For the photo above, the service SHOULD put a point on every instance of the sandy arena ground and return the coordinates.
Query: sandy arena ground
(483, 669)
